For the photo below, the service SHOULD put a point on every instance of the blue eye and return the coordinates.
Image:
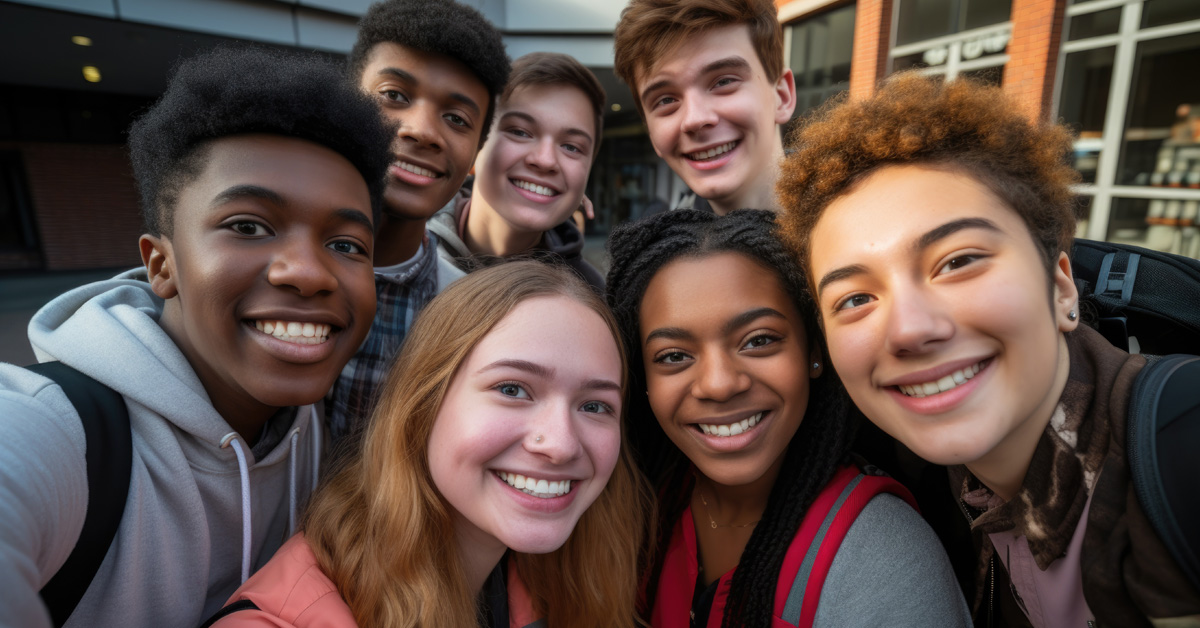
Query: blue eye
(596, 407)
(512, 389)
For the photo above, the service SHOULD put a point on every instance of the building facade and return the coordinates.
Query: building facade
(1121, 73)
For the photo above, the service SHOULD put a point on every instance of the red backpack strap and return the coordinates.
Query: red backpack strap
(816, 543)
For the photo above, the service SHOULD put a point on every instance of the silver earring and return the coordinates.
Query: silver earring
(538, 439)
(1071, 316)
(816, 365)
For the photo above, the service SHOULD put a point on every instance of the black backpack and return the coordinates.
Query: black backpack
(1149, 302)
(109, 458)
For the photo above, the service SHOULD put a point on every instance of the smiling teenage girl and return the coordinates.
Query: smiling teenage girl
(749, 450)
(490, 438)
(934, 222)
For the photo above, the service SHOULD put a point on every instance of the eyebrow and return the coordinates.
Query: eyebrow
(408, 77)
(247, 191)
(520, 365)
(727, 63)
(531, 120)
(749, 316)
(355, 215)
(925, 241)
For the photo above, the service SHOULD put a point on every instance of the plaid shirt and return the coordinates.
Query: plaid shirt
(398, 301)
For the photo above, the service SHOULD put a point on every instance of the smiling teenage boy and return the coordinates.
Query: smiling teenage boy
(708, 77)
(434, 67)
(532, 171)
(260, 176)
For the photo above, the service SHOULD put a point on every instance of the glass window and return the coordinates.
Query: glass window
(1160, 12)
(991, 76)
(1083, 104)
(1160, 224)
(1094, 24)
(918, 20)
(1161, 142)
(1083, 214)
(820, 57)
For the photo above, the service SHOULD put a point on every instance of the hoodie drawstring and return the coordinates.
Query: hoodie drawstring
(244, 470)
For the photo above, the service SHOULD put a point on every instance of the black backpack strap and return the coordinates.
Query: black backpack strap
(109, 456)
(1164, 436)
(240, 605)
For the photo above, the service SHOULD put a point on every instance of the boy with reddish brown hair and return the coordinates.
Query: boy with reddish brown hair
(708, 77)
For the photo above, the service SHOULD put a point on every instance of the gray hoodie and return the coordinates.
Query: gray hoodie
(189, 531)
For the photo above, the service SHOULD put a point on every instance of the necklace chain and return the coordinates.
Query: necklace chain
(713, 522)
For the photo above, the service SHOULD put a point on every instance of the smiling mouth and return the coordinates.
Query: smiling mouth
(535, 188)
(949, 382)
(731, 429)
(712, 153)
(545, 489)
(424, 172)
(295, 332)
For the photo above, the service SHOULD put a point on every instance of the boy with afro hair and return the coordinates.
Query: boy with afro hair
(261, 177)
(708, 77)
(435, 68)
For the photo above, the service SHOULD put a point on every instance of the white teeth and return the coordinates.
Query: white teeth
(730, 429)
(538, 488)
(404, 165)
(295, 332)
(712, 152)
(948, 382)
(536, 189)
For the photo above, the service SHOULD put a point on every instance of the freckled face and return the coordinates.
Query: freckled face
(439, 105)
(938, 315)
(549, 369)
(267, 271)
(712, 114)
(726, 358)
(534, 167)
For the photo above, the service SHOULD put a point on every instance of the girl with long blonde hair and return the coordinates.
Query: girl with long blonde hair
(493, 487)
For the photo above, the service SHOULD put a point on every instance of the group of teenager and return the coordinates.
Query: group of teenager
(350, 407)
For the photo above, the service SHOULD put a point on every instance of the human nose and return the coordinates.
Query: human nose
(719, 378)
(302, 265)
(697, 114)
(552, 434)
(419, 125)
(541, 155)
(916, 320)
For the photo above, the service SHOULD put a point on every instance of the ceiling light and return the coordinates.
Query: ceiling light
(80, 40)
(616, 106)
(91, 74)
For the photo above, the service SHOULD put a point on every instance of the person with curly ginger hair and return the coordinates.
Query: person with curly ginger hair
(435, 68)
(708, 78)
(933, 221)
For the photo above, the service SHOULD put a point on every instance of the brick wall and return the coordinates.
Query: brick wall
(872, 28)
(1033, 54)
(85, 204)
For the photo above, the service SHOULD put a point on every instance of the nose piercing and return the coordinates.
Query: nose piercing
(1072, 315)
(538, 439)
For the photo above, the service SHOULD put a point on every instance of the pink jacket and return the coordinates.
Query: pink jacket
(291, 591)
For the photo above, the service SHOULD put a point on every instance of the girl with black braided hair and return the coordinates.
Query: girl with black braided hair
(749, 454)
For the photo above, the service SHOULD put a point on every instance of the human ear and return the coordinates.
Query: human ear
(159, 260)
(1066, 295)
(785, 97)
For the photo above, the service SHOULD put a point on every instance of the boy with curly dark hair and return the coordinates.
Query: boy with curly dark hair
(261, 176)
(435, 68)
(708, 77)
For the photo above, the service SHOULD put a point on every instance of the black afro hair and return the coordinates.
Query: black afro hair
(443, 27)
(243, 89)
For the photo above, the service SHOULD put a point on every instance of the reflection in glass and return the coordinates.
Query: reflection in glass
(820, 57)
(1161, 142)
(1094, 24)
(918, 20)
(1168, 225)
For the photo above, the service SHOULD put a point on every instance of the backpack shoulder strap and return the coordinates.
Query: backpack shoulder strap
(240, 605)
(816, 544)
(109, 457)
(1163, 436)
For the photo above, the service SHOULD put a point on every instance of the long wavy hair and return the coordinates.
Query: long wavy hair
(638, 251)
(384, 534)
